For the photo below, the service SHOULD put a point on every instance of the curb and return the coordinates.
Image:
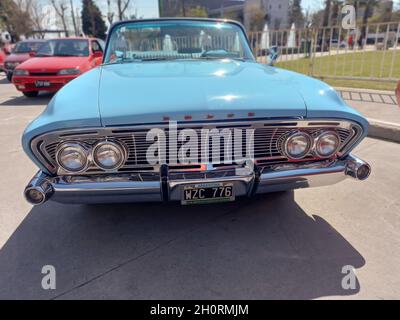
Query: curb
(384, 130)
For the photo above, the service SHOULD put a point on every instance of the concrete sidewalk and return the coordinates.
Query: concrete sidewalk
(381, 109)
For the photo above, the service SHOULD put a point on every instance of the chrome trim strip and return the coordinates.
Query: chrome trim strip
(39, 143)
(147, 187)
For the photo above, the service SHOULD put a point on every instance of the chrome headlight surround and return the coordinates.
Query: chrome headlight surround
(80, 149)
(309, 145)
(320, 138)
(116, 147)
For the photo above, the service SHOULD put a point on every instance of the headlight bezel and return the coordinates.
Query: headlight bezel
(114, 144)
(20, 72)
(69, 72)
(317, 140)
(294, 135)
(80, 147)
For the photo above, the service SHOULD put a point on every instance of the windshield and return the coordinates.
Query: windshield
(64, 48)
(26, 47)
(162, 40)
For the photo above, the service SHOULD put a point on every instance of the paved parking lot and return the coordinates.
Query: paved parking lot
(286, 245)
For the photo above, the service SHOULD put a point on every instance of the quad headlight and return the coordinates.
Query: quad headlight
(327, 144)
(108, 155)
(297, 145)
(72, 156)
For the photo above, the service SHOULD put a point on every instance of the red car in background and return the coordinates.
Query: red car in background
(57, 62)
(2, 58)
(22, 51)
(4, 52)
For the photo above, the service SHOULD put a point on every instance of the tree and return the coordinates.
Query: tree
(60, 8)
(183, 8)
(258, 21)
(15, 18)
(110, 14)
(327, 13)
(296, 15)
(317, 18)
(335, 12)
(197, 11)
(92, 21)
(76, 29)
(369, 6)
(38, 16)
(122, 6)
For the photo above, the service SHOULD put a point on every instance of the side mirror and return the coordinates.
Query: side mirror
(32, 53)
(273, 54)
(97, 54)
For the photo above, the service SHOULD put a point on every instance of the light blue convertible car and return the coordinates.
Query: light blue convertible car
(180, 110)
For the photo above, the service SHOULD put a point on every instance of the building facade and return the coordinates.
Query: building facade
(252, 13)
(275, 13)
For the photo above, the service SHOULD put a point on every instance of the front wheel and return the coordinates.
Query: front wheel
(30, 94)
(9, 76)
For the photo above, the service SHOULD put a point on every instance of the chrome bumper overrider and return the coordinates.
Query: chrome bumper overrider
(164, 186)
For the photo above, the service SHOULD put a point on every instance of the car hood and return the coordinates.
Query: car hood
(18, 57)
(52, 64)
(147, 92)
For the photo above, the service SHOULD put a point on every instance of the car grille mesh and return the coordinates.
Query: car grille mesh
(267, 144)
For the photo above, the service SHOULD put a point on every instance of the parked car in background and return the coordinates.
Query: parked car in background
(3, 56)
(4, 52)
(22, 51)
(57, 62)
(119, 133)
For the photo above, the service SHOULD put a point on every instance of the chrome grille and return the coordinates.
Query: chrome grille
(267, 141)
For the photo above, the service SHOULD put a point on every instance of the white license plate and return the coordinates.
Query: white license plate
(208, 193)
(42, 83)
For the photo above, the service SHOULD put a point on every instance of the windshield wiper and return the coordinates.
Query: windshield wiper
(127, 60)
(122, 60)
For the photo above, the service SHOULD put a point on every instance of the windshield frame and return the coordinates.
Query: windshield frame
(119, 24)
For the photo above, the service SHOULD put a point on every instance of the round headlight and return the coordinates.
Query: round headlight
(298, 145)
(72, 157)
(108, 155)
(327, 144)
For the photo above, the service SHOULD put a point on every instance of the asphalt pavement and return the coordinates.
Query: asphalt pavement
(285, 245)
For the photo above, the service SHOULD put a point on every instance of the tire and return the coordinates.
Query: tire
(9, 76)
(30, 94)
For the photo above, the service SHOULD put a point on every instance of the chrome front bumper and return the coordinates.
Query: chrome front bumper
(164, 186)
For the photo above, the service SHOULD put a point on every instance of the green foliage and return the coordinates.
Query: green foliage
(296, 15)
(366, 64)
(197, 11)
(92, 21)
(14, 19)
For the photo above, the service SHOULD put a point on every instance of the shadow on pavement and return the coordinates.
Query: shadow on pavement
(262, 248)
(42, 99)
